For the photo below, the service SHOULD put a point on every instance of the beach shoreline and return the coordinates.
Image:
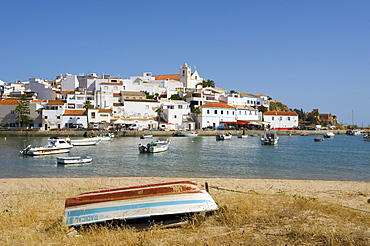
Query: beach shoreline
(352, 194)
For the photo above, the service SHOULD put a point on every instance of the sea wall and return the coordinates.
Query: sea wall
(127, 133)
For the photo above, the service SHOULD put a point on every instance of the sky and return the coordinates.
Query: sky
(307, 54)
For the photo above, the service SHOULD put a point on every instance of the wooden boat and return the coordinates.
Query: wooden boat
(329, 135)
(107, 136)
(226, 136)
(154, 147)
(142, 201)
(270, 138)
(85, 141)
(186, 134)
(54, 145)
(74, 159)
(319, 139)
(146, 136)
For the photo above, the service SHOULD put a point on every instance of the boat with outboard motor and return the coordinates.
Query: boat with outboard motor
(270, 138)
(54, 145)
(154, 147)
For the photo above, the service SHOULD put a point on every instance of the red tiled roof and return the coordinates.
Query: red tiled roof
(105, 110)
(38, 100)
(75, 112)
(55, 102)
(280, 113)
(10, 101)
(216, 105)
(169, 76)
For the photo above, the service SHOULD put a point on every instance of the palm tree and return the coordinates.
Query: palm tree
(159, 112)
(88, 104)
(197, 111)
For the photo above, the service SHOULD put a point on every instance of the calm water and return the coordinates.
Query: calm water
(296, 157)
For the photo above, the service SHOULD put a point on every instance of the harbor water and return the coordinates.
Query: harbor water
(295, 157)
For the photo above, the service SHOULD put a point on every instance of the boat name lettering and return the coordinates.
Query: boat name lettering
(85, 218)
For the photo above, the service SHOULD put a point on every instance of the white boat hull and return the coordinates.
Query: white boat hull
(74, 159)
(86, 141)
(138, 202)
(54, 145)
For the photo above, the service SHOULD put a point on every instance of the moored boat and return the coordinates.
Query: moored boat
(186, 134)
(107, 136)
(74, 159)
(329, 135)
(226, 136)
(318, 139)
(142, 201)
(146, 136)
(242, 136)
(270, 138)
(353, 132)
(54, 145)
(85, 141)
(154, 147)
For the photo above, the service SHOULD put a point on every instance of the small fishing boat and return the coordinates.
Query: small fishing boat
(318, 139)
(186, 134)
(353, 132)
(226, 136)
(329, 135)
(242, 136)
(270, 138)
(54, 145)
(154, 147)
(85, 141)
(106, 136)
(142, 201)
(74, 159)
(146, 136)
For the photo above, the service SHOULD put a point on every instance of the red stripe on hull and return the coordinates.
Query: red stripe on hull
(133, 192)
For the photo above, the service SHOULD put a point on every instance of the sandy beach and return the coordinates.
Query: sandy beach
(347, 193)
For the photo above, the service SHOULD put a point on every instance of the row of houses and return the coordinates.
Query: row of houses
(139, 102)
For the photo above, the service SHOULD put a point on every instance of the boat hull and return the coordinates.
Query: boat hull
(48, 151)
(85, 141)
(138, 202)
(74, 160)
(223, 137)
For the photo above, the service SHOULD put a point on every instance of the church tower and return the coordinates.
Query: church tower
(185, 74)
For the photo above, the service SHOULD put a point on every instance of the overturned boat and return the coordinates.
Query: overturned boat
(136, 202)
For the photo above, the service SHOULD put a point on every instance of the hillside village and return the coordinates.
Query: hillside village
(183, 101)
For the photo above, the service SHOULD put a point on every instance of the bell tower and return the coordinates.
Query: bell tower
(185, 74)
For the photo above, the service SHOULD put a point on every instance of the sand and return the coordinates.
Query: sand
(351, 194)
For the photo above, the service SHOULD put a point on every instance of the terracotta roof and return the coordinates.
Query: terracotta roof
(105, 110)
(216, 105)
(10, 101)
(169, 76)
(112, 83)
(38, 100)
(55, 102)
(75, 112)
(116, 94)
(280, 113)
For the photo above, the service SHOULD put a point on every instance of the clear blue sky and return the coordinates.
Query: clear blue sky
(307, 54)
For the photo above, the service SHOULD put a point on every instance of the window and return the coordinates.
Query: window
(175, 116)
(222, 112)
(146, 106)
(46, 117)
(93, 115)
(80, 98)
(207, 111)
(58, 117)
(288, 118)
(180, 107)
(227, 112)
(215, 111)
(115, 88)
(105, 88)
(272, 118)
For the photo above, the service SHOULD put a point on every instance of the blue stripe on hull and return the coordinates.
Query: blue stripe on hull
(93, 213)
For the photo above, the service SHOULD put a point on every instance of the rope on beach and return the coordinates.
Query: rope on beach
(237, 191)
(364, 211)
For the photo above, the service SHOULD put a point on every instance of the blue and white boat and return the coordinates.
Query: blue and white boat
(133, 202)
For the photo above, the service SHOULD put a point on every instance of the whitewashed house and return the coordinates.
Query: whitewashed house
(177, 114)
(52, 114)
(216, 113)
(281, 120)
(99, 118)
(75, 118)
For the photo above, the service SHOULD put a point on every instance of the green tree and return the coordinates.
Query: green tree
(207, 83)
(197, 111)
(23, 111)
(88, 104)
(159, 112)
(175, 97)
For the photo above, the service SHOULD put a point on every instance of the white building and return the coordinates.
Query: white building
(52, 113)
(42, 88)
(215, 113)
(281, 120)
(178, 114)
